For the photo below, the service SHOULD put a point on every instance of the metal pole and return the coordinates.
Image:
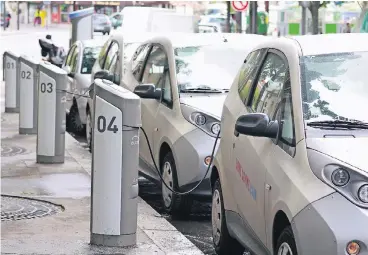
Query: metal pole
(304, 19)
(254, 17)
(17, 15)
(4, 16)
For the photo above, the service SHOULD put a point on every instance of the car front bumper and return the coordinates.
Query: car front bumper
(328, 225)
(190, 152)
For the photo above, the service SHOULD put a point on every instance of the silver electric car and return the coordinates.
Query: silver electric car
(291, 172)
(187, 77)
(78, 65)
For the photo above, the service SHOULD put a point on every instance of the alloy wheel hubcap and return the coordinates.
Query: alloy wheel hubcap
(167, 176)
(216, 217)
(285, 249)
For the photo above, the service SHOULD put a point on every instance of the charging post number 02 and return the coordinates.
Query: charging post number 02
(25, 75)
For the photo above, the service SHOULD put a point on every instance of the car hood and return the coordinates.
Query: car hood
(352, 151)
(211, 104)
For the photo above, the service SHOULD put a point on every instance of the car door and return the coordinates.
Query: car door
(108, 61)
(70, 86)
(164, 118)
(250, 153)
(154, 73)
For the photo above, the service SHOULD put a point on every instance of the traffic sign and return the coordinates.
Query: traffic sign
(239, 6)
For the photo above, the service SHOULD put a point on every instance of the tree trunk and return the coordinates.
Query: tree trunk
(314, 7)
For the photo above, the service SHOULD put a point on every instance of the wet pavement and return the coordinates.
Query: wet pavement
(196, 227)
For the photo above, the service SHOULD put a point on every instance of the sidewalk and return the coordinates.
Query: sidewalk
(58, 221)
(29, 28)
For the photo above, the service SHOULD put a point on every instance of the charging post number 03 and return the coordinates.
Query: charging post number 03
(46, 87)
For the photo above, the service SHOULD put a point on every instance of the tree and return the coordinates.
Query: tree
(313, 7)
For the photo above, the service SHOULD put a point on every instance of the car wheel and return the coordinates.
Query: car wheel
(286, 243)
(89, 130)
(222, 241)
(174, 204)
(75, 124)
(108, 33)
(103, 33)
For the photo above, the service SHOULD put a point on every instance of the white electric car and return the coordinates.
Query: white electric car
(78, 65)
(291, 172)
(183, 80)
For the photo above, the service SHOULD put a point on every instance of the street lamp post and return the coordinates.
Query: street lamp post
(17, 15)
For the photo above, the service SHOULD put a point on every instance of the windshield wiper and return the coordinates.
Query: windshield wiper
(203, 90)
(348, 124)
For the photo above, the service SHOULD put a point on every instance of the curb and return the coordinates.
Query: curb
(158, 229)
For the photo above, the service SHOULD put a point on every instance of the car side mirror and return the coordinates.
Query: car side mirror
(147, 91)
(256, 124)
(67, 69)
(103, 75)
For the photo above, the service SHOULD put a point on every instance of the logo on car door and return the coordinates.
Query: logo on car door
(245, 179)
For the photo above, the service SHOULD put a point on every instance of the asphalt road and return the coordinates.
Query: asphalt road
(196, 227)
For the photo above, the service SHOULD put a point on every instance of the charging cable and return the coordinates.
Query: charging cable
(159, 172)
(78, 95)
(153, 158)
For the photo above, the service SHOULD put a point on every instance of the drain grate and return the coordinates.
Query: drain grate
(9, 151)
(20, 208)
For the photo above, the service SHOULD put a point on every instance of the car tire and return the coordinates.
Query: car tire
(89, 130)
(173, 204)
(108, 33)
(224, 244)
(286, 241)
(74, 123)
(103, 33)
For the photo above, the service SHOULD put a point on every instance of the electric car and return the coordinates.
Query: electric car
(291, 172)
(78, 65)
(183, 80)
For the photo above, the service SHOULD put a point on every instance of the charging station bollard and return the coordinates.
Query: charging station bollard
(114, 182)
(28, 95)
(51, 114)
(11, 82)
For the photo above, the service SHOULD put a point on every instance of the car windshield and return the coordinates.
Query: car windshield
(90, 54)
(335, 87)
(207, 67)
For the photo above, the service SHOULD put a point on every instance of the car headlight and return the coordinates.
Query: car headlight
(340, 177)
(353, 184)
(363, 193)
(206, 122)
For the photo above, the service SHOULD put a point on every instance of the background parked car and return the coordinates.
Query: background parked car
(101, 23)
(116, 19)
(78, 65)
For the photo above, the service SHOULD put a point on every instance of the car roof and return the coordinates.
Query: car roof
(332, 43)
(188, 39)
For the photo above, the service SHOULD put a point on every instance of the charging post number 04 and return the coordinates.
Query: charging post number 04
(102, 125)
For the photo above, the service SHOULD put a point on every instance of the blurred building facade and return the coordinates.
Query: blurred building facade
(57, 11)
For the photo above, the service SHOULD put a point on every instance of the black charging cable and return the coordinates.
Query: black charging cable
(159, 172)
(79, 95)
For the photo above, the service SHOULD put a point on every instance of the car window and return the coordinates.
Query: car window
(112, 62)
(286, 118)
(89, 57)
(138, 60)
(267, 91)
(248, 72)
(74, 60)
(102, 55)
(111, 56)
(156, 72)
(69, 57)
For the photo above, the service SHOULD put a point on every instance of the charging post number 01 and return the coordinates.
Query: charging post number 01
(102, 125)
